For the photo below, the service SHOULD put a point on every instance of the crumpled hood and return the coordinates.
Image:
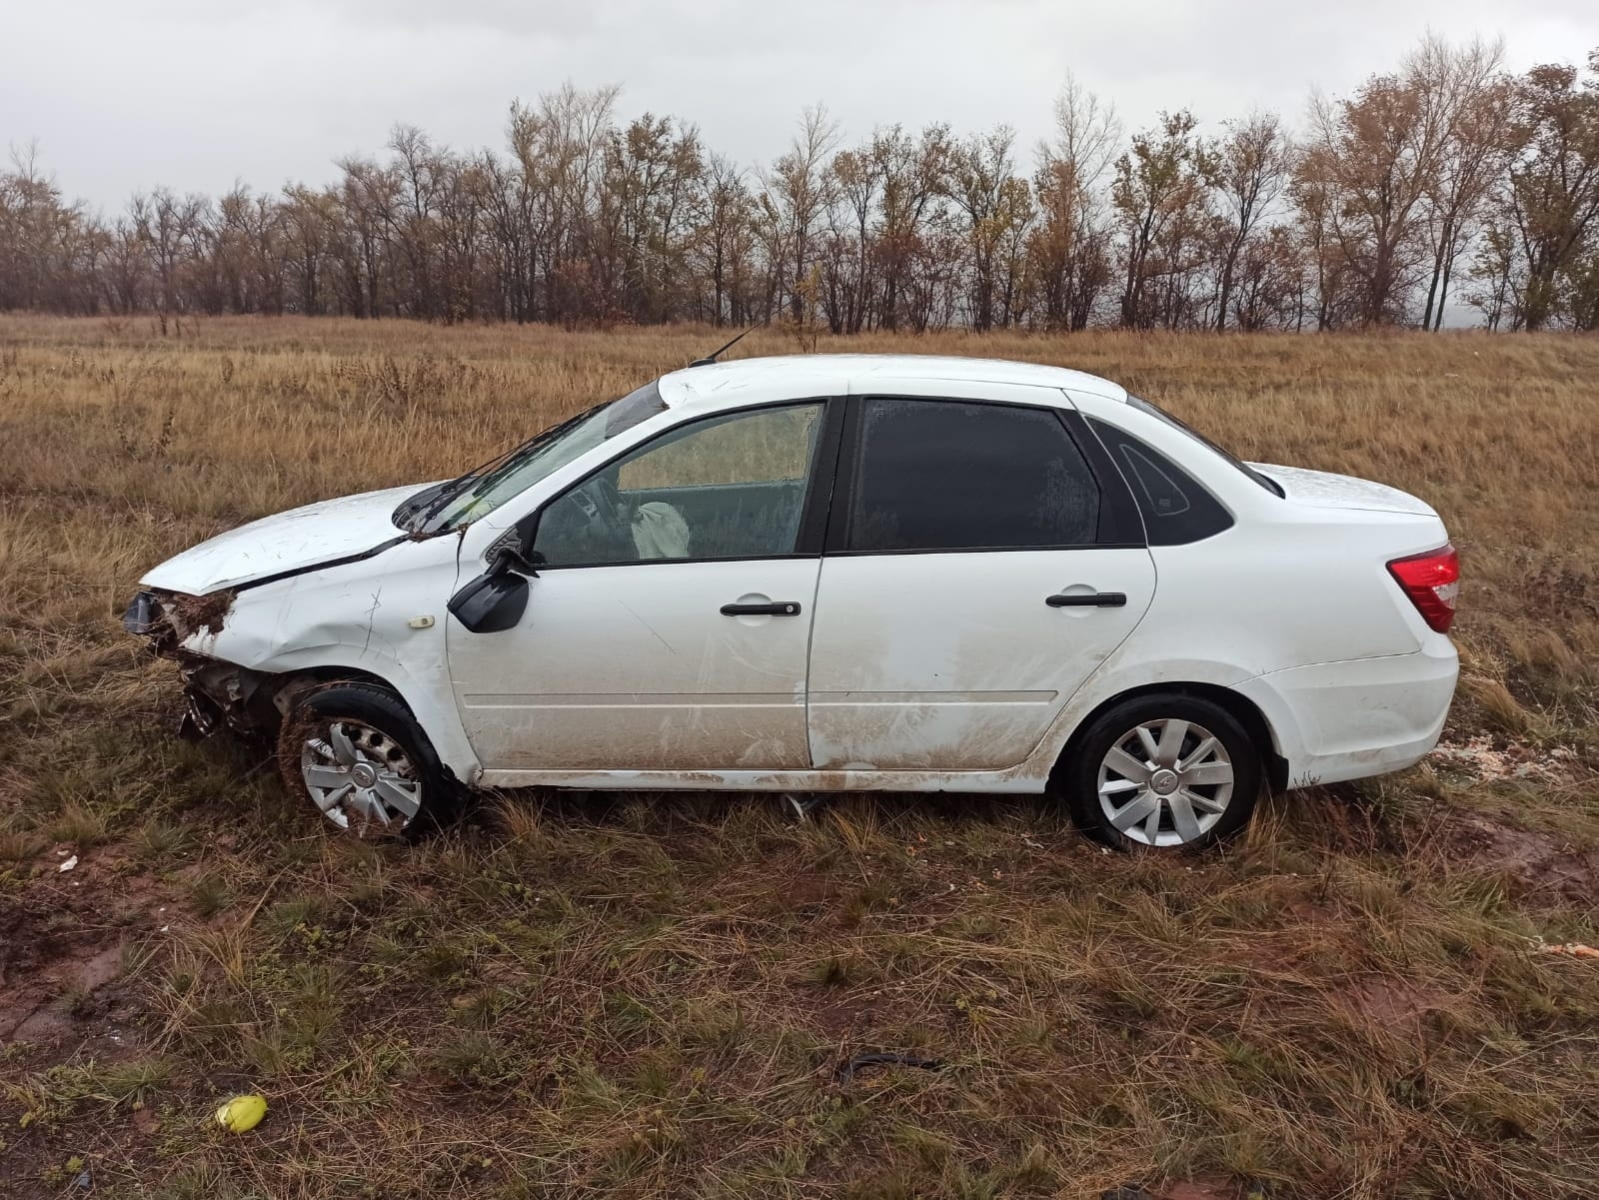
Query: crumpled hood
(290, 541)
(1323, 489)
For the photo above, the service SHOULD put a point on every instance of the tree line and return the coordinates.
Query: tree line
(1448, 180)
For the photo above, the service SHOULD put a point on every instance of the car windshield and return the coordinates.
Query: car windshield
(1145, 406)
(482, 490)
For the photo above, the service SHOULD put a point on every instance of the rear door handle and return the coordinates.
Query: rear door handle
(1086, 600)
(776, 608)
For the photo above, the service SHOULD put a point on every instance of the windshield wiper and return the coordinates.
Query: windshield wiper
(492, 470)
(418, 515)
(406, 512)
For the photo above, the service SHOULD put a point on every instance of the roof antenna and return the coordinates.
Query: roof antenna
(710, 359)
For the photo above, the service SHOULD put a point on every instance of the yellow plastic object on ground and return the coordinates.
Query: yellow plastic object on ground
(242, 1113)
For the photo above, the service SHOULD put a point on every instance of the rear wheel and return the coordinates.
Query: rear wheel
(356, 753)
(1165, 771)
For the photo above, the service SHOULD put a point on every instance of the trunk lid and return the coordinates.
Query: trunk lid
(1323, 489)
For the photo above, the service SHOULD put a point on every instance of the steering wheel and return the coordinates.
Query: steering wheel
(600, 501)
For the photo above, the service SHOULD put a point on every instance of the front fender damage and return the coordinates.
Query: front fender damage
(245, 665)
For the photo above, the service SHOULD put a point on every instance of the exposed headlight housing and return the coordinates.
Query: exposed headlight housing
(144, 615)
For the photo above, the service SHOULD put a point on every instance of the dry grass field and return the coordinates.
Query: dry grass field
(647, 995)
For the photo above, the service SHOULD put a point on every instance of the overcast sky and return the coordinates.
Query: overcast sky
(125, 94)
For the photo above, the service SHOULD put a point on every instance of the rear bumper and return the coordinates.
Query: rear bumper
(1365, 716)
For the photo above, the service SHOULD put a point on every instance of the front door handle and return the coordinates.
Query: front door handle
(1086, 600)
(774, 608)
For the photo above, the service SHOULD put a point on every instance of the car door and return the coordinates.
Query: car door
(668, 624)
(984, 559)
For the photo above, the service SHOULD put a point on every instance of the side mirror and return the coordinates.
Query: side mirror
(494, 601)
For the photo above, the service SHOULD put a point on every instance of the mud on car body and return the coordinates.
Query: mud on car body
(828, 573)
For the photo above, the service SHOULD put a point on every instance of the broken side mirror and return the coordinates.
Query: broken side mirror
(494, 601)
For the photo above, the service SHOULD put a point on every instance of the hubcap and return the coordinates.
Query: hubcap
(360, 778)
(1166, 782)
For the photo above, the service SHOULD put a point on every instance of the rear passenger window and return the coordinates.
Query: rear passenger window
(949, 475)
(1175, 507)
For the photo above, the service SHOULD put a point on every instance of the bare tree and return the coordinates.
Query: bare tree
(798, 193)
(369, 198)
(1160, 196)
(1068, 248)
(851, 240)
(1553, 190)
(1403, 168)
(1475, 101)
(1248, 169)
(996, 210)
(169, 225)
(914, 177)
(29, 206)
(1495, 270)
(723, 243)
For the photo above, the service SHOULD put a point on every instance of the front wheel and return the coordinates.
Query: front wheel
(357, 754)
(1164, 771)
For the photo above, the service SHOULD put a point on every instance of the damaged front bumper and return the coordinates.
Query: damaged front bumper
(220, 695)
(217, 694)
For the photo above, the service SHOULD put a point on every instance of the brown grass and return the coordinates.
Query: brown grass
(647, 995)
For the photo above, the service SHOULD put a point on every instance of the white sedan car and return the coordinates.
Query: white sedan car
(834, 573)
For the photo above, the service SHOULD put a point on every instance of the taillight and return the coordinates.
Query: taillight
(1432, 581)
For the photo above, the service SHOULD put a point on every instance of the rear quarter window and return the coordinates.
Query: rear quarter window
(1176, 507)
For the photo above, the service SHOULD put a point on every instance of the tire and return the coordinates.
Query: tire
(354, 752)
(1129, 784)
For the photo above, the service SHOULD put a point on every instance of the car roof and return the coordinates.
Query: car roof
(801, 375)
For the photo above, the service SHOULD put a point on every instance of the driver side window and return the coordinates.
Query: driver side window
(726, 487)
